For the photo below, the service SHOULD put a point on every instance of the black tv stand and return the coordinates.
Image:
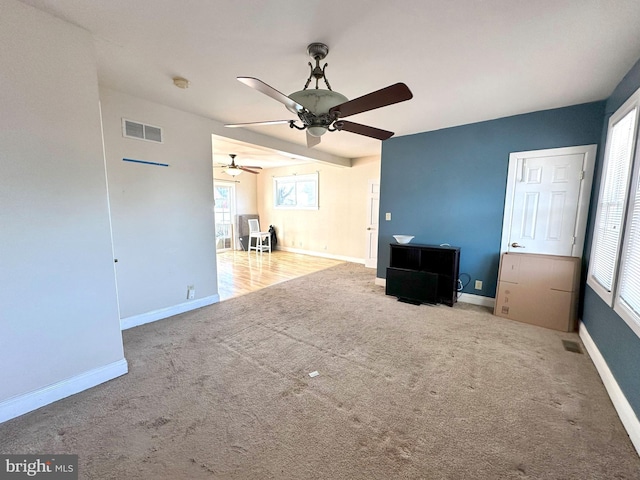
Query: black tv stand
(420, 274)
(409, 300)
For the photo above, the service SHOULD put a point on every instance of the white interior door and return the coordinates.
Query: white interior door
(547, 201)
(373, 205)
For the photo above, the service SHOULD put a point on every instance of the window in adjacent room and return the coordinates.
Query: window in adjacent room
(614, 268)
(296, 192)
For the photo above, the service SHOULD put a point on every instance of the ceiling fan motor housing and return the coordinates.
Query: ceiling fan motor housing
(317, 101)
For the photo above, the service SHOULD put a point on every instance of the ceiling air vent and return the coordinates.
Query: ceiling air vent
(131, 129)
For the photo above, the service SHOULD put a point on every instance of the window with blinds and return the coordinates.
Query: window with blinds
(612, 201)
(614, 267)
(627, 303)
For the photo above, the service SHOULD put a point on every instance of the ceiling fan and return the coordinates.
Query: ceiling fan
(234, 169)
(322, 110)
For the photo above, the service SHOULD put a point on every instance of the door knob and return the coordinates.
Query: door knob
(517, 245)
(369, 228)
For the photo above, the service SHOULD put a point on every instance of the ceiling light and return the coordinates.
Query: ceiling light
(233, 171)
(181, 82)
(317, 131)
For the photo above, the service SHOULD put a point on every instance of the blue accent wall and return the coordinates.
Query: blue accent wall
(617, 343)
(448, 186)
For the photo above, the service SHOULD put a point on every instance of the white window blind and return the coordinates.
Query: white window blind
(611, 204)
(629, 287)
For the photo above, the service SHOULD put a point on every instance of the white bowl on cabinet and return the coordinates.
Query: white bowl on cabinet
(403, 239)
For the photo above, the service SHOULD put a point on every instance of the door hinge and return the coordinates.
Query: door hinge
(573, 240)
(582, 175)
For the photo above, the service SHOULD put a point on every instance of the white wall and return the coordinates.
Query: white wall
(59, 311)
(163, 221)
(338, 227)
(246, 193)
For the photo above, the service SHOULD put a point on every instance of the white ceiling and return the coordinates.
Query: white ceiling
(464, 60)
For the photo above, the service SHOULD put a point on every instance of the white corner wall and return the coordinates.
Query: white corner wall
(59, 329)
(163, 220)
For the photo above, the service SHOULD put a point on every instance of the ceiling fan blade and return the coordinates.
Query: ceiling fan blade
(222, 165)
(245, 169)
(363, 130)
(271, 92)
(396, 93)
(312, 141)
(254, 124)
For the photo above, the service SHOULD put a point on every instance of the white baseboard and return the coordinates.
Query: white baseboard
(136, 320)
(465, 297)
(322, 254)
(21, 404)
(477, 300)
(625, 412)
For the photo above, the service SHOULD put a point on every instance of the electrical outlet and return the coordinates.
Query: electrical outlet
(387, 216)
(191, 292)
(478, 284)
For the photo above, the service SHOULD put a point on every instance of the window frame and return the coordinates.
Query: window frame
(296, 179)
(612, 297)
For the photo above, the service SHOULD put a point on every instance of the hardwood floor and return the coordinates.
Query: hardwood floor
(242, 272)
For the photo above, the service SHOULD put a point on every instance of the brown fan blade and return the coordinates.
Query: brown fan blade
(380, 98)
(312, 141)
(245, 169)
(271, 92)
(363, 130)
(252, 166)
(252, 124)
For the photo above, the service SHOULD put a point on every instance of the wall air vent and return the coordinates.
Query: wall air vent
(131, 129)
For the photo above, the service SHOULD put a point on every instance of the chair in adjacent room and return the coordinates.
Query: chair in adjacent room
(258, 241)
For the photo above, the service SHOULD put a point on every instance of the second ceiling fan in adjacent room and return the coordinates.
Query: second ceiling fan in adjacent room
(234, 169)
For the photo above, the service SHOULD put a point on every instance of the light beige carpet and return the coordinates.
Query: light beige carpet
(404, 391)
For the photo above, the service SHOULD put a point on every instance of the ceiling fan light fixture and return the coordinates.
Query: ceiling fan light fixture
(317, 131)
(322, 110)
(233, 171)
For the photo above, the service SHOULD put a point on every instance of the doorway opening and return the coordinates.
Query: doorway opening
(224, 194)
